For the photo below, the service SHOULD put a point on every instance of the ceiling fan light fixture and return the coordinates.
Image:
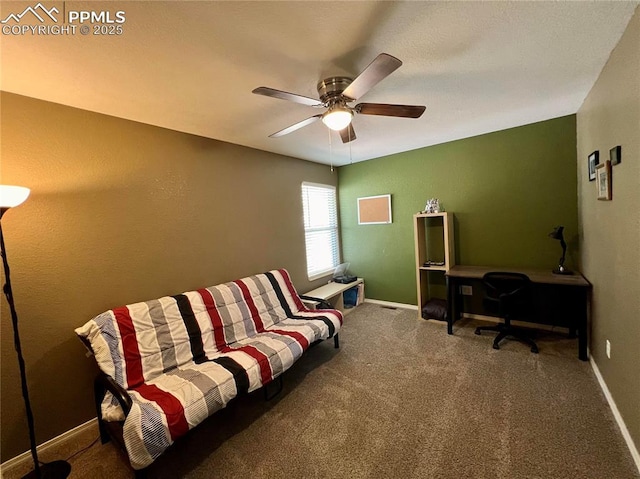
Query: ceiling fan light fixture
(337, 118)
(335, 93)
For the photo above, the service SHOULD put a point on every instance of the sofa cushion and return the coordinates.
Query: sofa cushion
(139, 342)
(169, 405)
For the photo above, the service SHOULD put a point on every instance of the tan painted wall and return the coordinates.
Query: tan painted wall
(122, 212)
(610, 239)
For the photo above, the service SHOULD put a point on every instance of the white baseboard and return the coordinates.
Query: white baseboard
(17, 461)
(481, 317)
(391, 304)
(616, 414)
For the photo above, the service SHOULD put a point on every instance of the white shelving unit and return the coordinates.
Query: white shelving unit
(433, 233)
(333, 293)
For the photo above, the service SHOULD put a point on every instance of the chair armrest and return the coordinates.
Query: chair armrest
(87, 345)
(104, 382)
(323, 303)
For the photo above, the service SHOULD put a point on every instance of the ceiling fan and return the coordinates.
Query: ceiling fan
(337, 92)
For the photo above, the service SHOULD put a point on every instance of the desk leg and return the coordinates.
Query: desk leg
(582, 325)
(451, 287)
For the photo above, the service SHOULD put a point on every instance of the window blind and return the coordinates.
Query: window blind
(320, 228)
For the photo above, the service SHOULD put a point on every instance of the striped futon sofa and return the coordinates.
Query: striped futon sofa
(168, 364)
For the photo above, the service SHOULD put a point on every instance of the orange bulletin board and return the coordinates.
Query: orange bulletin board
(374, 210)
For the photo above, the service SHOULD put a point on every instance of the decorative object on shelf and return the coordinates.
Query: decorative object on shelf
(592, 162)
(435, 308)
(11, 196)
(341, 274)
(558, 234)
(432, 206)
(374, 210)
(350, 298)
(615, 155)
(603, 183)
(433, 263)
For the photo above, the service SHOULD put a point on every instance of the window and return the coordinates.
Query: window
(320, 228)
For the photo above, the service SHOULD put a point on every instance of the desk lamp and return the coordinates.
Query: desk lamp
(557, 233)
(11, 196)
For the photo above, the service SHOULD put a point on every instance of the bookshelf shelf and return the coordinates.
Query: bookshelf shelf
(433, 233)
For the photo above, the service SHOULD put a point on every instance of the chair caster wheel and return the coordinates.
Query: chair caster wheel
(534, 350)
(495, 346)
(478, 331)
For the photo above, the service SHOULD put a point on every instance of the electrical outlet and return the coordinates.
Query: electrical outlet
(466, 290)
(608, 349)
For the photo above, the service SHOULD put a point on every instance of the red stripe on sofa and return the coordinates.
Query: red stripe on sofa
(262, 359)
(266, 374)
(216, 320)
(132, 359)
(304, 342)
(171, 407)
(255, 316)
(265, 367)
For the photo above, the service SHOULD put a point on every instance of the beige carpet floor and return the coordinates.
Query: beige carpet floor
(402, 399)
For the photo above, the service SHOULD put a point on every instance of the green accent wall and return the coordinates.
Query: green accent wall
(507, 190)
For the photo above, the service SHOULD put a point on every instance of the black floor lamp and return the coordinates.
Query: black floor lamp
(11, 196)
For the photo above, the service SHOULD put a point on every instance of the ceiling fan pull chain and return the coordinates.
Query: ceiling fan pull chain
(330, 149)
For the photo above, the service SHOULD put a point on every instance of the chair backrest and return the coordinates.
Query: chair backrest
(507, 293)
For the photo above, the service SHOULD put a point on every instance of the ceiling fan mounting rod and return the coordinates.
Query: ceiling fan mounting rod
(336, 101)
(332, 87)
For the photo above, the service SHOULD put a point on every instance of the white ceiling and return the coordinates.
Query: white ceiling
(191, 67)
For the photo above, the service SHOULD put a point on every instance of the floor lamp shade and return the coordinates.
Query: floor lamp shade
(11, 196)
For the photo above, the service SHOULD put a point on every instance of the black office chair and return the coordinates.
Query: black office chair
(507, 295)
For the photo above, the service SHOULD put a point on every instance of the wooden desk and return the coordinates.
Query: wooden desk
(574, 287)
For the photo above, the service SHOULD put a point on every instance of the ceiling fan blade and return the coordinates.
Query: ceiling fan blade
(296, 126)
(348, 134)
(283, 95)
(383, 109)
(380, 68)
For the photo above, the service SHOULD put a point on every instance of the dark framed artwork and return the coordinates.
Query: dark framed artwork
(603, 174)
(615, 155)
(593, 161)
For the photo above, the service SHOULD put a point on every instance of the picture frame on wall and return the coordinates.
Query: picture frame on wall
(603, 181)
(615, 155)
(592, 162)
